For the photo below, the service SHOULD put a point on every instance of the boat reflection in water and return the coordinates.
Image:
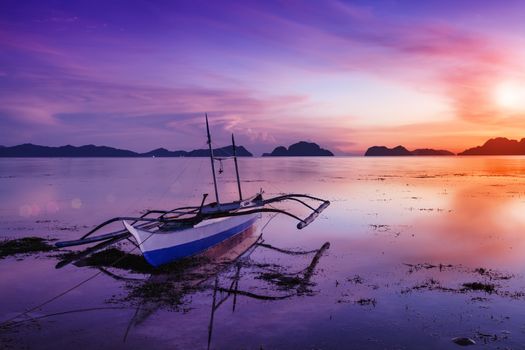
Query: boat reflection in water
(220, 270)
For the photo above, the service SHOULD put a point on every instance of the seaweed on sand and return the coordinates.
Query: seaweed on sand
(489, 283)
(479, 286)
(298, 281)
(430, 284)
(434, 285)
(283, 281)
(366, 301)
(26, 245)
(356, 279)
(492, 274)
(427, 266)
(163, 294)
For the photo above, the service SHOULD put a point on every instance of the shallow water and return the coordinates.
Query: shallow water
(407, 236)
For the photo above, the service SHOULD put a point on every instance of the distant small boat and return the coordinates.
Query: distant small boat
(187, 231)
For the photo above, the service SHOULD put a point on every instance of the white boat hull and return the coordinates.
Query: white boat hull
(160, 247)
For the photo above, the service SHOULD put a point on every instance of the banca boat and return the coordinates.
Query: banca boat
(164, 236)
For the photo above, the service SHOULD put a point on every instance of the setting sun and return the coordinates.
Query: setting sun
(511, 95)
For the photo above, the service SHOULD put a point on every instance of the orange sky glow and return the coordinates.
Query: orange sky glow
(347, 75)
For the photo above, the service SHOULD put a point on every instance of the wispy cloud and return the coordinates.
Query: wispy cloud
(157, 67)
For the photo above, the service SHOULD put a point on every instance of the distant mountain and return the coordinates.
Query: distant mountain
(431, 152)
(300, 149)
(497, 146)
(30, 150)
(379, 151)
(220, 152)
(382, 151)
(280, 151)
(162, 152)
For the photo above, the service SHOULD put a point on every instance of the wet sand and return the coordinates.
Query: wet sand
(421, 250)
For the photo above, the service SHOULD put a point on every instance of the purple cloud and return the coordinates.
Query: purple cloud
(108, 72)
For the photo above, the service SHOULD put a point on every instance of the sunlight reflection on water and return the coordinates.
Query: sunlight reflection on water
(405, 235)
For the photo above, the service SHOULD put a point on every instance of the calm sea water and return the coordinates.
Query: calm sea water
(409, 239)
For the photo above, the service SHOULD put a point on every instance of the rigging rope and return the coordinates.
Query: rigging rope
(230, 156)
(184, 167)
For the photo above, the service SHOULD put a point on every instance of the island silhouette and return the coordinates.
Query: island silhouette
(30, 150)
(494, 146)
(497, 146)
(382, 151)
(300, 149)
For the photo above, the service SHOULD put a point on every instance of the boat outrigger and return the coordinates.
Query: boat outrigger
(164, 236)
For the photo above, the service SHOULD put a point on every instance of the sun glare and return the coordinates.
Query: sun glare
(511, 95)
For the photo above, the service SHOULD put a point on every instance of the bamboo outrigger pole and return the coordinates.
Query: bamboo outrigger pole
(212, 162)
(236, 168)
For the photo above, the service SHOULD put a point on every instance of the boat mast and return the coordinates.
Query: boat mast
(212, 162)
(236, 168)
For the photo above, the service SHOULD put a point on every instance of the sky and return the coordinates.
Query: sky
(345, 74)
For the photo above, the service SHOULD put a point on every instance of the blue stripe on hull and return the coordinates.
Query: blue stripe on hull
(162, 256)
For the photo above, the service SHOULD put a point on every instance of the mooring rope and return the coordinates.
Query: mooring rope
(60, 313)
(8, 322)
